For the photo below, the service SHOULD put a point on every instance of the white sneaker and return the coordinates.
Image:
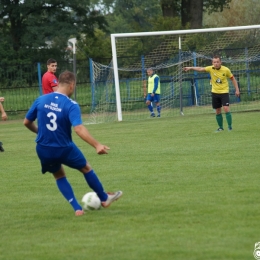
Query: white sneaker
(219, 130)
(112, 196)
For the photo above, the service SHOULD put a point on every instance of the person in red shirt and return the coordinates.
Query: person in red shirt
(49, 80)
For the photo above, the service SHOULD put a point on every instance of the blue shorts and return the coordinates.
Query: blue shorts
(53, 157)
(155, 98)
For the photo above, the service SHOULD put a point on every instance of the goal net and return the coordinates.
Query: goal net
(118, 87)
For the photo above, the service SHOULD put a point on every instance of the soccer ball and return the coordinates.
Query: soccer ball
(91, 201)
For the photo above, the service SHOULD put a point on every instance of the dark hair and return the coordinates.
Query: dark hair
(49, 61)
(216, 56)
(67, 77)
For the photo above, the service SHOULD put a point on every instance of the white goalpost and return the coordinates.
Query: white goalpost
(118, 87)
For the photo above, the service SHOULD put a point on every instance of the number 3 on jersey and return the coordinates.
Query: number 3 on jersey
(53, 118)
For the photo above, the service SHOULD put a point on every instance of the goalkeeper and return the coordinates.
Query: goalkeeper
(154, 91)
(220, 89)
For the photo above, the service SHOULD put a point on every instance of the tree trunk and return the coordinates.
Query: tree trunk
(196, 13)
(169, 8)
(185, 12)
(15, 31)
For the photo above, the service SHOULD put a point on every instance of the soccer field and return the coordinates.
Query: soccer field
(189, 193)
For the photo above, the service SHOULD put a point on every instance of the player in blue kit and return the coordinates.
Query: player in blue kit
(152, 94)
(56, 113)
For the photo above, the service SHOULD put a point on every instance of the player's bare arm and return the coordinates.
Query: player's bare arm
(30, 125)
(84, 134)
(199, 69)
(4, 115)
(234, 81)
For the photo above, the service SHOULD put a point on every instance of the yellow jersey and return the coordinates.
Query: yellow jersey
(219, 79)
(151, 84)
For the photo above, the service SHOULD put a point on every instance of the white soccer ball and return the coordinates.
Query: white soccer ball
(91, 201)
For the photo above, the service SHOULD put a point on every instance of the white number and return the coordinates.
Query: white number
(52, 127)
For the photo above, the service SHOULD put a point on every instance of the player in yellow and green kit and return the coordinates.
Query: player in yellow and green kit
(220, 89)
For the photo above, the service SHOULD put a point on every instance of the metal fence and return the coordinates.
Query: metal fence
(20, 85)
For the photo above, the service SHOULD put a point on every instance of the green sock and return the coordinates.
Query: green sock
(219, 119)
(229, 119)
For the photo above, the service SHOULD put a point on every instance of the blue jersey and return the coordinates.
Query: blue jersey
(55, 114)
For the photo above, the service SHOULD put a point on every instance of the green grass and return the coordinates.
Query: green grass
(189, 193)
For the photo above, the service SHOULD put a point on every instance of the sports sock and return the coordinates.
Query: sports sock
(159, 109)
(66, 190)
(150, 108)
(95, 184)
(229, 119)
(219, 120)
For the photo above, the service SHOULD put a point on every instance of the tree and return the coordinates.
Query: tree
(170, 8)
(95, 47)
(30, 24)
(137, 13)
(191, 11)
(240, 13)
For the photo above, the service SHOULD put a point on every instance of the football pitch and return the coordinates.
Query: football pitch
(189, 193)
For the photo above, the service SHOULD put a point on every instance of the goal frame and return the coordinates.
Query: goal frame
(174, 32)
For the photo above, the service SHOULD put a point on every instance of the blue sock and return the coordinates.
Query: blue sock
(150, 108)
(159, 109)
(66, 190)
(95, 184)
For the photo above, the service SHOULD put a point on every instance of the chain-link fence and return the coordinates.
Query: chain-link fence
(20, 84)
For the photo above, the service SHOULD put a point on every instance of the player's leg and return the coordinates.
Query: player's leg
(93, 181)
(1, 147)
(219, 119)
(149, 104)
(157, 102)
(51, 162)
(75, 159)
(95, 184)
(67, 191)
(228, 118)
(216, 104)
(225, 102)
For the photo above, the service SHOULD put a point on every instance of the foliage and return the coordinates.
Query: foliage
(29, 26)
(166, 23)
(33, 31)
(190, 11)
(129, 15)
(239, 13)
(94, 47)
(208, 5)
(215, 5)
(135, 15)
